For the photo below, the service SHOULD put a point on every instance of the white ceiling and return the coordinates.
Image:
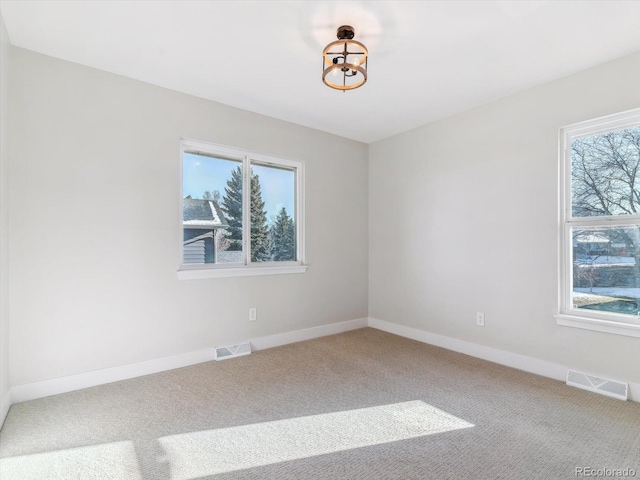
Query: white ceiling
(427, 60)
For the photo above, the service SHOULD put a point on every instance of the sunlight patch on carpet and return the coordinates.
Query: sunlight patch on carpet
(107, 461)
(210, 452)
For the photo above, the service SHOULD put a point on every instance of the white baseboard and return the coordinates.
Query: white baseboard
(6, 405)
(45, 388)
(510, 359)
(279, 339)
(634, 392)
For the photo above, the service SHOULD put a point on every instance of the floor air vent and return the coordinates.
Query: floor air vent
(610, 388)
(232, 351)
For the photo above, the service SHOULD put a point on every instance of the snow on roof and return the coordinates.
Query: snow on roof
(591, 238)
(198, 213)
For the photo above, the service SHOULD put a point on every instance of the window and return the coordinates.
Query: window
(242, 213)
(600, 225)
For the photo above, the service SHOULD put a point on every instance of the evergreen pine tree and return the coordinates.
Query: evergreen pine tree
(284, 237)
(232, 208)
(261, 244)
(260, 238)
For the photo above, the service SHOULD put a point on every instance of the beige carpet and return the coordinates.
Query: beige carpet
(359, 405)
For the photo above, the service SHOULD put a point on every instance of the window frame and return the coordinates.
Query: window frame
(567, 315)
(247, 267)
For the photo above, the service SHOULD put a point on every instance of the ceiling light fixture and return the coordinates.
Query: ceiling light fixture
(344, 61)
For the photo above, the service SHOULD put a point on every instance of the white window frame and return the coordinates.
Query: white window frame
(246, 268)
(568, 315)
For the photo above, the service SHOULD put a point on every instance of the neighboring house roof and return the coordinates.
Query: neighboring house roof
(592, 239)
(198, 238)
(206, 214)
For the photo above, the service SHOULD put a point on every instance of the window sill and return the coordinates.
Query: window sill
(196, 273)
(607, 326)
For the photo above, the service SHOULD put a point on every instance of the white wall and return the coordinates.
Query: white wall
(463, 218)
(95, 194)
(5, 58)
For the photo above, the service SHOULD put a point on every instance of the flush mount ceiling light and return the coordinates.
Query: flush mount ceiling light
(345, 61)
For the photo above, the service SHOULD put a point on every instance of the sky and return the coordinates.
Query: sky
(201, 173)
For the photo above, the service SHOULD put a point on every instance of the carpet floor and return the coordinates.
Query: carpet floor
(359, 405)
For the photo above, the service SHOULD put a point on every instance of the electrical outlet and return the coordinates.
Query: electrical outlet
(252, 315)
(480, 319)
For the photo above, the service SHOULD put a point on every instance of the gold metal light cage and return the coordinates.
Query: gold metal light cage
(344, 61)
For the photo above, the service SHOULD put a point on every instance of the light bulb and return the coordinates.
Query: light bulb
(356, 62)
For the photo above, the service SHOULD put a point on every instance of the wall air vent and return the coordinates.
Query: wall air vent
(603, 386)
(232, 351)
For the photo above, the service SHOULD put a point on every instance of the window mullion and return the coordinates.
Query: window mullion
(246, 210)
(609, 221)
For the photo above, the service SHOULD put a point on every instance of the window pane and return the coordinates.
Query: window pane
(605, 269)
(604, 170)
(273, 224)
(212, 209)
